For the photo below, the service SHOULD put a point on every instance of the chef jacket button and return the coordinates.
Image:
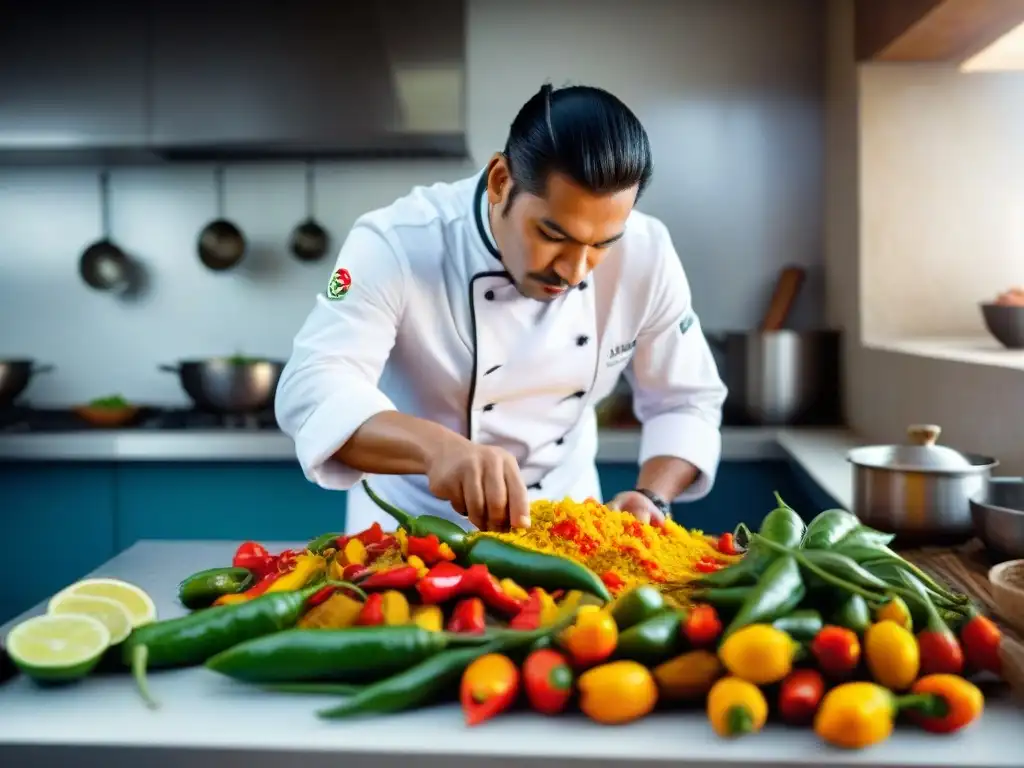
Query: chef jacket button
(581, 393)
(489, 295)
(582, 286)
(534, 487)
(489, 407)
(559, 441)
(582, 340)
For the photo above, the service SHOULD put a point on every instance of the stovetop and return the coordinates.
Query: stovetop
(23, 420)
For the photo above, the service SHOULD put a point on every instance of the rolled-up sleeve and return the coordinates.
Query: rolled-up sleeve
(677, 391)
(329, 386)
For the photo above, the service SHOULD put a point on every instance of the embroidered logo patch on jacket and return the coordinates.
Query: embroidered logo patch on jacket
(338, 287)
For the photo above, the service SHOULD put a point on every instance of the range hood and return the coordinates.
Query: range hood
(266, 79)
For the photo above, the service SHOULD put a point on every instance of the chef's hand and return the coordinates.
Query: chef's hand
(639, 506)
(481, 482)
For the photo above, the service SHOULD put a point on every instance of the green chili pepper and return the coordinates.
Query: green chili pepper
(190, 640)
(862, 536)
(780, 591)
(200, 589)
(325, 541)
(803, 625)
(422, 526)
(783, 525)
(853, 613)
(351, 655)
(637, 605)
(652, 641)
(845, 569)
(528, 568)
(722, 597)
(919, 600)
(865, 553)
(743, 573)
(430, 679)
(320, 689)
(827, 528)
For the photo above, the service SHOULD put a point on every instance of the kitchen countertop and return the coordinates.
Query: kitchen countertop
(207, 720)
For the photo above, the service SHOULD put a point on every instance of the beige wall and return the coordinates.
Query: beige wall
(979, 408)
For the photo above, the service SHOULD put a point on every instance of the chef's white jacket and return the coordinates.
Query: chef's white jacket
(431, 325)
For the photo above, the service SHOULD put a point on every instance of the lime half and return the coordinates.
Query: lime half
(111, 613)
(139, 605)
(58, 648)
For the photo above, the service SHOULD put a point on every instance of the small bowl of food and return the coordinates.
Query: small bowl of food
(112, 411)
(1004, 318)
(1007, 580)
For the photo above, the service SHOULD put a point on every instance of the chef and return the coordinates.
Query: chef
(457, 351)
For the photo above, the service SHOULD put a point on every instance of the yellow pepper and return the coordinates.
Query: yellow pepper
(617, 692)
(339, 611)
(428, 617)
(592, 637)
(896, 610)
(514, 591)
(688, 676)
(736, 707)
(419, 565)
(892, 655)
(549, 610)
(403, 541)
(354, 553)
(758, 653)
(855, 715)
(307, 567)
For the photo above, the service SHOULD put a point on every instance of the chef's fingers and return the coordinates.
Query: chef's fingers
(518, 498)
(496, 497)
(476, 507)
(458, 503)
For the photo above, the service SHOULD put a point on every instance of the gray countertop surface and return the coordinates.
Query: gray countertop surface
(207, 720)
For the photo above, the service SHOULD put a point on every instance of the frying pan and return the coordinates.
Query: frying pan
(103, 265)
(229, 385)
(309, 240)
(221, 244)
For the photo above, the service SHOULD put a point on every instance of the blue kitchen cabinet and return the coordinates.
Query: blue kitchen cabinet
(56, 524)
(744, 492)
(234, 501)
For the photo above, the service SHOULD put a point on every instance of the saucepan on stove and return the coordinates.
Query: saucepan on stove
(920, 491)
(229, 384)
(15, 376)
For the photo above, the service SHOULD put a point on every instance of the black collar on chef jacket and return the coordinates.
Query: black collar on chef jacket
(478, 216)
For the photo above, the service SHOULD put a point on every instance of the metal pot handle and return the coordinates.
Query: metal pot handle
(169, 368)
(42, 369)
(924, 434)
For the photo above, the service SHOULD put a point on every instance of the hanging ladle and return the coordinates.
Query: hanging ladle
(310, 241)
(103, 265)
(221, 243)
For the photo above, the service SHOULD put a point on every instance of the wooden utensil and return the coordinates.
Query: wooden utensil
(791, 279)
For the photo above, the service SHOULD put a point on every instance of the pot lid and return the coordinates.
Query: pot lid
(920, 455)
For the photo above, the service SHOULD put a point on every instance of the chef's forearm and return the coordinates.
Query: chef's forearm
(392, 443)
(667, 476)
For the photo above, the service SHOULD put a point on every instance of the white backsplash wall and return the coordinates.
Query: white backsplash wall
(731, 92)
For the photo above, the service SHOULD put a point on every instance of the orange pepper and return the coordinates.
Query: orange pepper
(592, 638)
(489, 687)
(943, 703)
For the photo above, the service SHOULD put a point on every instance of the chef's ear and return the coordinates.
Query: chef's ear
(499, 179)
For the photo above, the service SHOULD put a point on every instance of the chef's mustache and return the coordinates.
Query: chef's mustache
(549, 278)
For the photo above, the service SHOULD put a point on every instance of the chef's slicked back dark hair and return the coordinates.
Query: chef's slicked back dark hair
(582, 132)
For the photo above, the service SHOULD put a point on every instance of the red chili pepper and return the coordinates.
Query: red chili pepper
(837, 650)
(320, 597)
(379, 548)
(254, 557)
(727, 544)
(706, 566)
(429, 549)
(800, 695)
(371, 535)
(468, 617)
(548, 681)
(489, 686)
(702, 626)
(447, 581)
(980, 638)
(372, 613)
(402, 577)
(939, 649)
(530, 614)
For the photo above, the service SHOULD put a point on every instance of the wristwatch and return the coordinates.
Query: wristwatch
(657, 501)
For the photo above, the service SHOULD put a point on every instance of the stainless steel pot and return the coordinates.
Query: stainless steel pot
(921, 491)
(998, 512)
(778, 378)
(229, 385)
(15, 376)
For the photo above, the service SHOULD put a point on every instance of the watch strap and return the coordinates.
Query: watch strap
(656, 500)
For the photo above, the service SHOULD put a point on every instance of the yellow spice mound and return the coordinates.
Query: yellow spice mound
(617, 546)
